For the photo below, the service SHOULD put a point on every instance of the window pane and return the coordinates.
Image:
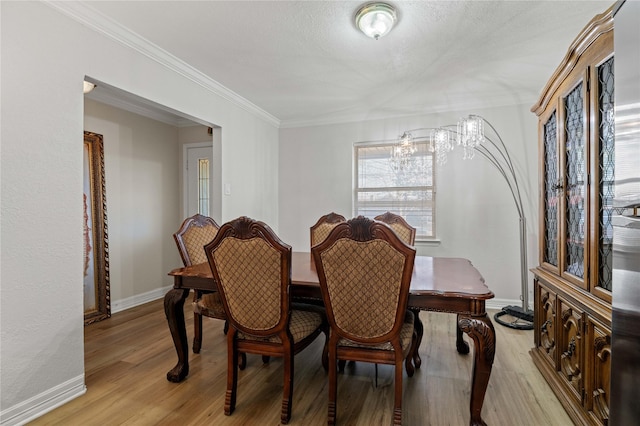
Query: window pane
(407, 191)
(395, 198)
(375, 168)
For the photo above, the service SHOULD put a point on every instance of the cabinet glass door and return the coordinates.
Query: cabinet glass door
(606, 173)
(575, 187)
(551, 191)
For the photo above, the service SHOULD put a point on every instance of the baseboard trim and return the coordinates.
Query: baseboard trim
(41, 404)
(138, 299)
(501, 303)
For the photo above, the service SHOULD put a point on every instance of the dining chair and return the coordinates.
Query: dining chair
(323, 227)
(365, 271)
(252, 270)
(407, 234)
(194, 233)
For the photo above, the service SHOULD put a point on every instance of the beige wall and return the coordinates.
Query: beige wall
(143, 209)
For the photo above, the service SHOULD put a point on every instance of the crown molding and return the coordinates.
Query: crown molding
(91, 18)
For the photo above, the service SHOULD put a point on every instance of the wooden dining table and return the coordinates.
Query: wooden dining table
(439, 284)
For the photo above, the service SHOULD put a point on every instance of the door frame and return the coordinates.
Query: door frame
(216, 185)
(185, 174)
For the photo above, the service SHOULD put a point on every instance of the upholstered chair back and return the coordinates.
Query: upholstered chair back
(406, 232)
(320, 231)
(194, 233)
(252, 269)
(365, 274)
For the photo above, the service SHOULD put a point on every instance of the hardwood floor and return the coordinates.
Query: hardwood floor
(128, 356)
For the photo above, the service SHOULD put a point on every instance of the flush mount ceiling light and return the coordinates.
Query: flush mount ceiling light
(376, 19)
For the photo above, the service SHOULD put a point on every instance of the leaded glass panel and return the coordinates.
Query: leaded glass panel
(551, 191)
(575, 175)
(606, 184)
(203, 186)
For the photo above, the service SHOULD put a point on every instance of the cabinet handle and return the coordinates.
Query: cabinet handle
(572, 347)
(567, 368)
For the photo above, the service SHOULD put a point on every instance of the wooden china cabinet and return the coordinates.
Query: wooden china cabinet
(572, 284)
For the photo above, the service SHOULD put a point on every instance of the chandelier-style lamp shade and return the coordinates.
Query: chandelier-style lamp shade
(402, 151)
(441, 144)
(470, 134)
(406, 139)
(376, 19)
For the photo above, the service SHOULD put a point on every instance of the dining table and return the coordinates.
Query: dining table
(438, 284)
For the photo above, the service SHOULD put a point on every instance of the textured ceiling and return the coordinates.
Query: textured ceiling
(305, 62)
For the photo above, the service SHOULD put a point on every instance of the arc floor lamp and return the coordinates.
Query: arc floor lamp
(469, 133)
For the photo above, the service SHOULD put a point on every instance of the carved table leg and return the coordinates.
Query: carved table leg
(174, 311)
(480, 329)
(461, 346)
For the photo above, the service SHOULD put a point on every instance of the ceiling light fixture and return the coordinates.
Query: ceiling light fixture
(376, 19)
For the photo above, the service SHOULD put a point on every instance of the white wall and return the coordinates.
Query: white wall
(45, 57)
(476, 217)
(143, 200)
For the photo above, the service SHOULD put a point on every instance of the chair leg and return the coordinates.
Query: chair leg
(397, 406)
(376, 382)
(287, 393)
(325, 355)
(419, 328)
(197, 326)
(266, 359)
(197, 333)
(232, 374)
(333, 386)
(410, 356)
(242, 361)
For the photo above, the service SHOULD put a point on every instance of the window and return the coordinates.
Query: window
(408, 191)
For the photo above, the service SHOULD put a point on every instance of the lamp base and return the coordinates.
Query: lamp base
(523, 319)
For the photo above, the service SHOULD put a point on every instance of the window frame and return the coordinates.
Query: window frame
(423, 147)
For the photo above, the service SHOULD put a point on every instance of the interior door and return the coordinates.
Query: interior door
(199, 179)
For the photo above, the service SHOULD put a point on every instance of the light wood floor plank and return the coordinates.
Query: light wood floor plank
(128, 355)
